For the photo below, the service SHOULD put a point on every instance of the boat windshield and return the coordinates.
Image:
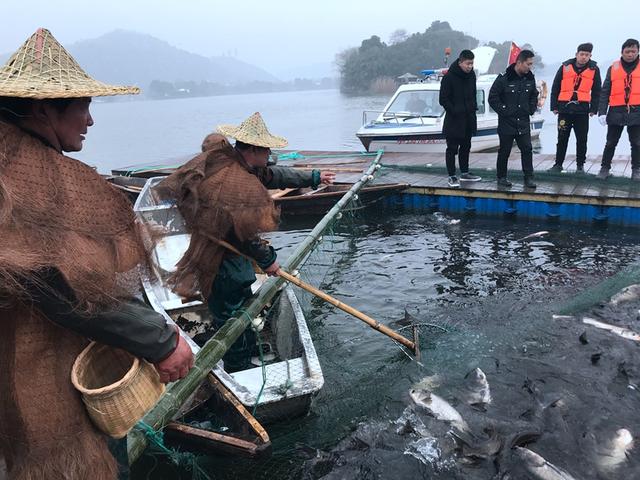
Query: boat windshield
(424, 103)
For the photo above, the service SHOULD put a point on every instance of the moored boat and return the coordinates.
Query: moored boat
(412, 120)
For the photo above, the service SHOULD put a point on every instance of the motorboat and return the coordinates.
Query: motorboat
(412, 120)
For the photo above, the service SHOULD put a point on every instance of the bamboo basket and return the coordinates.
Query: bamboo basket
(117, 388)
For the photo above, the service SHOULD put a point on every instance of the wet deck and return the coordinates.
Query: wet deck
(426, 173)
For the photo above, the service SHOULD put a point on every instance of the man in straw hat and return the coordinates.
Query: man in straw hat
(67, 238)
(222, 195)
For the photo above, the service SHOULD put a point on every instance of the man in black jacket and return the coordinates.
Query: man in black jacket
(458, 97)
(620, 102)
(514, 97)
(574, 98)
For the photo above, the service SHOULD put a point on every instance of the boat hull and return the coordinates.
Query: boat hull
(432, 142)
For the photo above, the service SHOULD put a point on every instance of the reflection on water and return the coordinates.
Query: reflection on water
(485, 298)
(128, 133)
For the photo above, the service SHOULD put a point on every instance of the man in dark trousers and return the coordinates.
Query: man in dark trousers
(575, 95)
(514, 97)
(620, 102)
(458, 97)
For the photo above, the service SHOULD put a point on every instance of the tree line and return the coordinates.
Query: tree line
(378, 63)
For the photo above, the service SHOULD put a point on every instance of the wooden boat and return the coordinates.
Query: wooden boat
(306, 201)
(227, 428)
(284, 385)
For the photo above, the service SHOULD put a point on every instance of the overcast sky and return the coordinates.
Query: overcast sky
(280, 35)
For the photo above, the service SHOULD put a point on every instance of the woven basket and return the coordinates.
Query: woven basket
(116, 387)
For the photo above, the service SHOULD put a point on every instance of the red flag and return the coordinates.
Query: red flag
(513, 53)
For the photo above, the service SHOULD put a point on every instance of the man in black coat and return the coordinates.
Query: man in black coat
(458, 97)
(620, 107)
(575, 95)
(514, 97)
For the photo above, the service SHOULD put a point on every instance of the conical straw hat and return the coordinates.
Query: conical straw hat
(253, 131)
(42, 68)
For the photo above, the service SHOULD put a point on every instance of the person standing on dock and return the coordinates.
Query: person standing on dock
(458, 97)
(222, 195)
(575, 97)
(620, 107)
(69, 243)
(514, 97)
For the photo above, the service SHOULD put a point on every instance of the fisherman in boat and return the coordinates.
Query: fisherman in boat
(458, 98)
(514, 97)
(68, 241)
(575, 95)
(222, 195)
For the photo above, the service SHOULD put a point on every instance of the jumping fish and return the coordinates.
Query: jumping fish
(538, 467)
(534, 235)
(627, 294)
(476, 388)
(620, 331)
(437, 407)
(613, 452)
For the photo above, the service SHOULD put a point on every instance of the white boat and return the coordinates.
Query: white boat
(292, 373)
(412, 120)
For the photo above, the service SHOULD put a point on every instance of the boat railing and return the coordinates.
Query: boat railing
(380, 116)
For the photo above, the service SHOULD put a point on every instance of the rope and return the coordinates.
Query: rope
(185, 460)
(299, 156)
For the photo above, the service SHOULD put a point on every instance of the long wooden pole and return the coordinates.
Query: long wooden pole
(215, 348)
(350, 310)
(328, 298)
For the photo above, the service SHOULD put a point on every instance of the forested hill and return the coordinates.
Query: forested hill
(375, 64)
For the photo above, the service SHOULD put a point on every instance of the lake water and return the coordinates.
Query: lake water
(134, 132)
(484, 296)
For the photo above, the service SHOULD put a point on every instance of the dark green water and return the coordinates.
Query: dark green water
(494, 294)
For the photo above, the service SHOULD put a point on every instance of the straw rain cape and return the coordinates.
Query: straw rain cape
(54, 212)
(219, 198)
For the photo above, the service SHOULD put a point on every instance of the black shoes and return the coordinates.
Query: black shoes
(528, 182)
(603, 173)
(503, 182)
(555, 169)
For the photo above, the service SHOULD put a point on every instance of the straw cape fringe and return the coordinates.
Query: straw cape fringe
(41, 68)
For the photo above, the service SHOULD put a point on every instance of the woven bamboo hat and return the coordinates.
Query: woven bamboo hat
(253, 131)
(42, 68)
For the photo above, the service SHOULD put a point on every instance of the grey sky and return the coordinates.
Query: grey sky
(280, 35)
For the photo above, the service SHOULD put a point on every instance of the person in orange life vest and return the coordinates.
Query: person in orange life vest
(575, 95)
(620, 102)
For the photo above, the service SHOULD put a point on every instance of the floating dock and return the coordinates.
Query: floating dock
(564, 197)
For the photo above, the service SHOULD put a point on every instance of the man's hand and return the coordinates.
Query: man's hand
(327, 177)
(176, 365)
(272, 270)
(603, 120)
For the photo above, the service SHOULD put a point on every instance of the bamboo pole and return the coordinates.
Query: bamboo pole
(350, 310)
(215, 348)
(328, 298)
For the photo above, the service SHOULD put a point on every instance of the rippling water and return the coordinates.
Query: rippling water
(491, 294)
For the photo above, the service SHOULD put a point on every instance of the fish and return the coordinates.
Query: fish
(538, 467)
(613, 452)
(620, 331)
(534, 235)
(627, 294)
(563, 317)
(437, 407)
(476, 389)
(475, 447)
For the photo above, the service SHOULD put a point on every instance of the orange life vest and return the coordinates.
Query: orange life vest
(625, 88)
(580, 83)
